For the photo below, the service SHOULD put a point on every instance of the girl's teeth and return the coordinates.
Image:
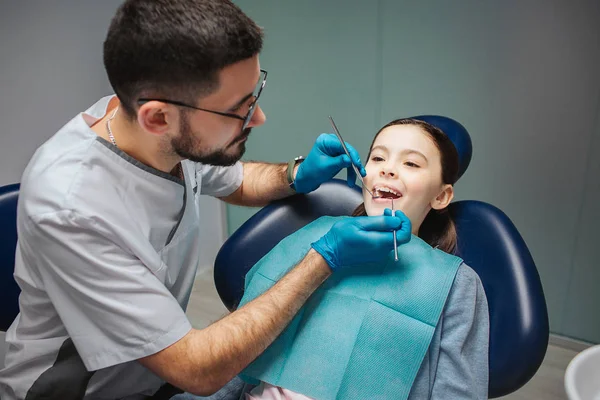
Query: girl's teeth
(383, 189)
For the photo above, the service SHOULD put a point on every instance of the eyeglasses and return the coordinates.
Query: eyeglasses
(246, 118)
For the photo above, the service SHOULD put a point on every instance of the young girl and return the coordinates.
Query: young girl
(416, 165)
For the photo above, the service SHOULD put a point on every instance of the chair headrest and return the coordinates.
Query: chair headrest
(457, 134)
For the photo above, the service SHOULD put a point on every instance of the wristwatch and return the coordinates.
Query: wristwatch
(290, 170)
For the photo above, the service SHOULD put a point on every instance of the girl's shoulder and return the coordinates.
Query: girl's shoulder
(467, 292)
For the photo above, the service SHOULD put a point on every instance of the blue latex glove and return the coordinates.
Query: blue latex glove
(324, 161)
(361, 240)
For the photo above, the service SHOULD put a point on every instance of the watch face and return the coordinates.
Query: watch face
(290, 171)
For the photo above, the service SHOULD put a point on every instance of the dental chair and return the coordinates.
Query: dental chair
(487, 241)
(9, 291)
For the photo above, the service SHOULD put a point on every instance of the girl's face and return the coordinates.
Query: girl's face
(405, 165)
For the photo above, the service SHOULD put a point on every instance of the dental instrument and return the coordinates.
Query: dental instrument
(337, 132)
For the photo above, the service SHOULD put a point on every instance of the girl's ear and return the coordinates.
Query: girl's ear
(444, 198)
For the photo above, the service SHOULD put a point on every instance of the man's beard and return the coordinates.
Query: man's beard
(187, 146)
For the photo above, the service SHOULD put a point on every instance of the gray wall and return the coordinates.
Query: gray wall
(50, 68)
(521, 76)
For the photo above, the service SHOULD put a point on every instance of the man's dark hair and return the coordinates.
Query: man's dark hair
(175, 48)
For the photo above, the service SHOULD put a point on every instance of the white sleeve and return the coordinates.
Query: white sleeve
(220, 181)
(112, 306)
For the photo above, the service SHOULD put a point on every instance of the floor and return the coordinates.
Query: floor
(205, 308)
(547, 384)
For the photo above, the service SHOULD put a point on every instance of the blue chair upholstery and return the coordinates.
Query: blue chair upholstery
(487, 241)
(9, 291)
(490, 244)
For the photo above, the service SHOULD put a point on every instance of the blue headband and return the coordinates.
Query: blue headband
(457, 134)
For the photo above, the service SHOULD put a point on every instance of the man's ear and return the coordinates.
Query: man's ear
(157, 118)
(444, 198)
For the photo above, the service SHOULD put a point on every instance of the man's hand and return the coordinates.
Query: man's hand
(360, 240)
(324, 161)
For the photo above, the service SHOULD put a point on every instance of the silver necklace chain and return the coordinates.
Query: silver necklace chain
(110, 134)
(114, 142)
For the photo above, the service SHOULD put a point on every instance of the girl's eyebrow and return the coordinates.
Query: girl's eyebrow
(379, 147)
(413, 151)
(406, 151)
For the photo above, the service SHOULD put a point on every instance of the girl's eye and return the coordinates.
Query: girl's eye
(376, 158)
(411, 164)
